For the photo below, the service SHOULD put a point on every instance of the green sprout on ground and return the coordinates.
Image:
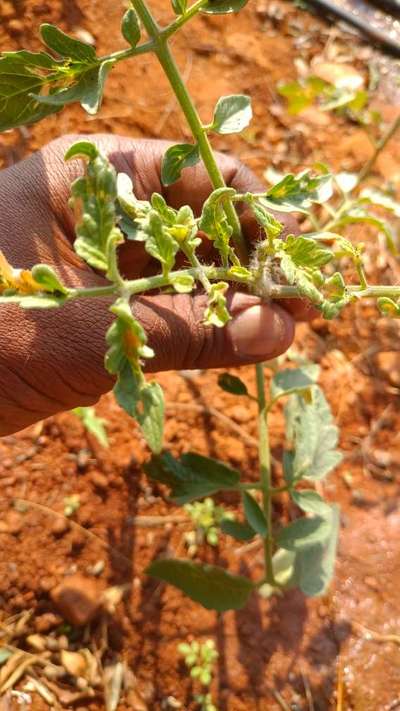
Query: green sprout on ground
(207, 517)
(200, 658)
(314, 266)
(94, 424)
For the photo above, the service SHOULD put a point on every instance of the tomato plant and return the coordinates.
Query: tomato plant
(35, 85)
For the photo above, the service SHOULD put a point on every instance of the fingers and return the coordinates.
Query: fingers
(174, 324)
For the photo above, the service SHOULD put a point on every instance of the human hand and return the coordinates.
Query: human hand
(53, 360)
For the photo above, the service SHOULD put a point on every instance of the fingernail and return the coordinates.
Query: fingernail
(261, 331)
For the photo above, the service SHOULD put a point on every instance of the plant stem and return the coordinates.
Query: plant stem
(173, 74)
(183, 19)
(365, 171)
(265, 470)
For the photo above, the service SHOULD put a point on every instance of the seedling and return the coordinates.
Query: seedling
(93, 423)
(207, 517)
(310, 266)
(200, 658)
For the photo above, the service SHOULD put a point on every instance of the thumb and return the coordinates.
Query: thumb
(174, 323)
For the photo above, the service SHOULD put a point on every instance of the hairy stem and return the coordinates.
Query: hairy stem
(265, 470)
(174, 77)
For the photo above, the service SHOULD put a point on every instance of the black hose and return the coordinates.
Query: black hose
(377, 36)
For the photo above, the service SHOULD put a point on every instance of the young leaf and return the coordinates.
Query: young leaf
(254, 515)
(388, 307)
(232, 384)
(304, 532)
(289, 381)
(192, 476)
(237, 529)
(310, 502)
(306, 252)
(283, 566)
(93, 198)
(208, 585)
(182, 283)
(130, 27)
(179, 6)
(93, 423)
(159, 243)
(176, 158)
(48, 279)
(214, 223)
(314, 565)
(302, 94)
(232, 114)
(223, 7)
(67, 46)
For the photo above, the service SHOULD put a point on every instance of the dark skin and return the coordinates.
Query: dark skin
(53, 360)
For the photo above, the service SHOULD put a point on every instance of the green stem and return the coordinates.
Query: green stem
(365, 171)
(173, 74)
(183, 19)
(265, 469)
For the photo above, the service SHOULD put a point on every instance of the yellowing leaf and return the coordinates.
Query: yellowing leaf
(18, 280)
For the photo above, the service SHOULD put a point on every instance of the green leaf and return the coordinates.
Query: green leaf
(289, 381)
(93, 423)
(254, 515)
(130, 27)
(314, 565)
(179, 6)
(306, 252)
(192, 476)
(296, 193)
(310, 502)
(93, 198)
(304, 532)
(216, 313)
(316, 437)
(47, 278)
(208, 585)
(232, 114)
(21, 75)
(82, 149)
(223, 7)
(302, 94)
(67, 46)
(176, 158)
(237, 529)
(144, 402)
(272, 227)
(232, 384)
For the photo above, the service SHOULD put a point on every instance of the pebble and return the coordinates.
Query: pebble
(60, 526)
(388, 363)
(78, 599)
(99, 480)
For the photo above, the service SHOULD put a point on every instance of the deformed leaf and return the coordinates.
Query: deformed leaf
(232, 114)
(254, 515)
(47, 278)
(232, 384)
(176, 158)
(159, 243)
(388, 307)
(208, 585)
(216, 313)
(296, 193)
(192, 476)
(214, 223)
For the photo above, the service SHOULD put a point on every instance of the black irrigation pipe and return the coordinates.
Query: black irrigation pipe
(377, 36)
